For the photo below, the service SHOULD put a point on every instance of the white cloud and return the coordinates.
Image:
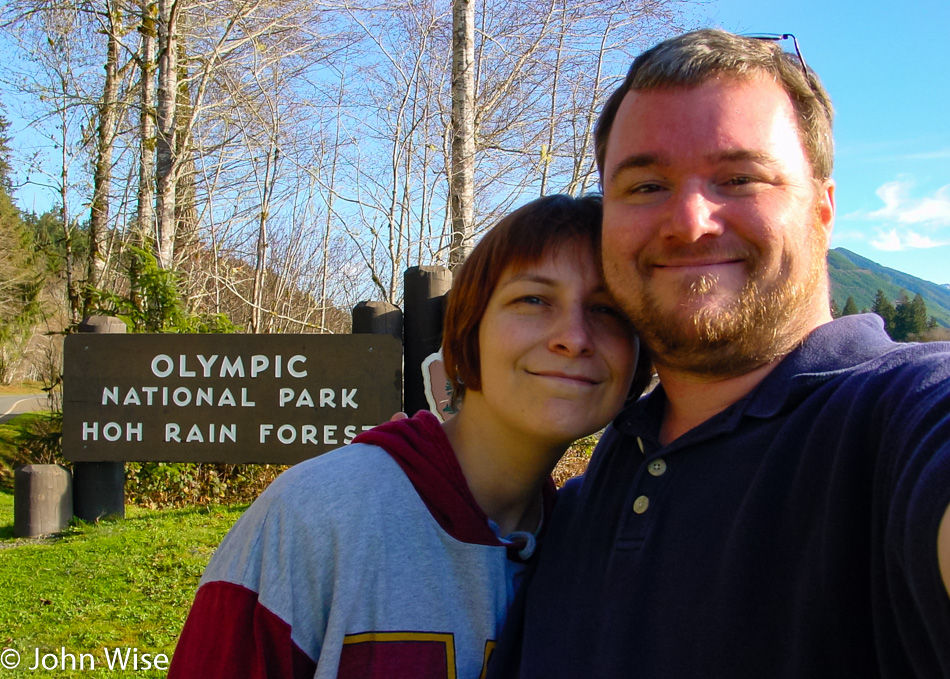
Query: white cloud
(909, 222)
(892, 240)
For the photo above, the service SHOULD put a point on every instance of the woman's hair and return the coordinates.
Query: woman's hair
(520, 239)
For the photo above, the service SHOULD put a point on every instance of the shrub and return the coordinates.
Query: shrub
(164, 484)
(40, 440)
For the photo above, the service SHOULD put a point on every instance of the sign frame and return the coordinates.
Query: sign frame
(224, 398)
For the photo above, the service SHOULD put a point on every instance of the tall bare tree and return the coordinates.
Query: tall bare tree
(462, 183)
(107, 115)
(167, 162)
(145, 202)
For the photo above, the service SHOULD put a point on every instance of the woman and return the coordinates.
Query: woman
(397, 556)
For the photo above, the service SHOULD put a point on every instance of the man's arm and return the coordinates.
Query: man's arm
(943, 549)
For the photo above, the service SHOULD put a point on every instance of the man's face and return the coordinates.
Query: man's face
(715, 233)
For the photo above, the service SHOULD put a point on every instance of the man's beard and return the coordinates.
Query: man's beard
(767, 320)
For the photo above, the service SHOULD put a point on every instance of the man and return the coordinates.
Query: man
(777, 507)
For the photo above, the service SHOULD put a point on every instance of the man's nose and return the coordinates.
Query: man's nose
(693, 214)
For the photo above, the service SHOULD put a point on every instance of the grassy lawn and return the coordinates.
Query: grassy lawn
(117, 584)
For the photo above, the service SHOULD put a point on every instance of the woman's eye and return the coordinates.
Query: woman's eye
(530, 299)
(609, 310)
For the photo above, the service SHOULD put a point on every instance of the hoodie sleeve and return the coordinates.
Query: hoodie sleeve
(229, 634)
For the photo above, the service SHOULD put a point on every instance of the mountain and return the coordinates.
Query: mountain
(859, 277)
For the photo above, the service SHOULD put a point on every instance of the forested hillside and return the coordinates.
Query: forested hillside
(859, 278)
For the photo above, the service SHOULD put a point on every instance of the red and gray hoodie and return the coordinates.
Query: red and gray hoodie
(371, 561)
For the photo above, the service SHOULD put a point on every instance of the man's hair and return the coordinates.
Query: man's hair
(689, 60)
(522, 238)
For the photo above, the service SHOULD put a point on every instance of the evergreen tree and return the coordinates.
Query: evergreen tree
(882, 307)
(20, 281)
(919, 314)
(9, 215)
(850, 307)
(910, 318)
(49, 240)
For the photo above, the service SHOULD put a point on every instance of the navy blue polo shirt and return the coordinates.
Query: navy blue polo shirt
(792, 535)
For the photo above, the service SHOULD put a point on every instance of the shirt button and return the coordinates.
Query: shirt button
(657, 467)
(640, 504)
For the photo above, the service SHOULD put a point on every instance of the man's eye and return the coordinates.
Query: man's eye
(743, 185)
(744, 181)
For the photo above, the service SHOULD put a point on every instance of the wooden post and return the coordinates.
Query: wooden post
(42, 499)
(377, 318)
(99, 487)
(425, 289)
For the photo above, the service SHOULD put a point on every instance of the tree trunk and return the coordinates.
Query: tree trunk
(260, 265)
(146, 196)
(102, 174)
(166, 156)
(462, 182)
(186, 209)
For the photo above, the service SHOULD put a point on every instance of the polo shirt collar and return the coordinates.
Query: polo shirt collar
(828, 351)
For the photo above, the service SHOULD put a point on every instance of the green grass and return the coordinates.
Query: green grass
(122, 583)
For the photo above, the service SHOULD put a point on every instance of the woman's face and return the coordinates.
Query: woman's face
(557, 355)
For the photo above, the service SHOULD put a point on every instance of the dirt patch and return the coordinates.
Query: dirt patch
(27, 387)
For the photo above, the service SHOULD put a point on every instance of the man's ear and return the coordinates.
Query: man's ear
(826, 206)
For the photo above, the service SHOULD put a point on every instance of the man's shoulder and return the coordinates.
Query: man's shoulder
(921, 365)
(857, 347)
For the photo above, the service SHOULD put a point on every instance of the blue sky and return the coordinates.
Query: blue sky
(887, 68)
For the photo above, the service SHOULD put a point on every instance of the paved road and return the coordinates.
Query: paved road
(15, 404)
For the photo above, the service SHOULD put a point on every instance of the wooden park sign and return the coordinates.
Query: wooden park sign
(224, 398)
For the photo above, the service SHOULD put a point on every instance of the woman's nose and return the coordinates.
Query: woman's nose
(572, 333)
